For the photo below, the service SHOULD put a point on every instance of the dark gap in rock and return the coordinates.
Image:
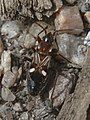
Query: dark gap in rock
(88, 113)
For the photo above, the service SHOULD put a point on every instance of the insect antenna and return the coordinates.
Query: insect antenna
(43, 29)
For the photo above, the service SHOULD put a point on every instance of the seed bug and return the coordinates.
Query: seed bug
(38, 72)
(37, 78)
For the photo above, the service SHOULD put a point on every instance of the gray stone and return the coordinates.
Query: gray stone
(7, 95)
(87, 39)
(62, 89)
(24, 116)
(71, 1)
(8, 79)
(11, 29)
(25, 40)
(4, 107)
(6, 60)
(72, 48)
(87, 16)
(17, 107)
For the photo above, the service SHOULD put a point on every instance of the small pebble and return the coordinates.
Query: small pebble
(8, 79)
(85, 6)
(87, 16)
(17, 107)
(24, 116)
(87, 39)
(6, 60)
(7, 95)
(58, 4)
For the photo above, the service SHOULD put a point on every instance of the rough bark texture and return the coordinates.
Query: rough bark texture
(21, 9)
(77, 105)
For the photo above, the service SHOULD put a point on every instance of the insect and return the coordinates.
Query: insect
(39, 68)
(38, 73)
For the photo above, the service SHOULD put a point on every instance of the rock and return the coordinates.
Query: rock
(7, 95)
(71, 1)
(87, 16)
(45, 7)
(62, 89)
(1, 70)
(9, 115)
(47, 4)
(15, 70)
(58, 4)
(6, 60)
(24, 116)
(11, 29)
(87, 39)
(30, 105)
(27, 39)
(17, 107)
(35, 29)
(68, 20)
(4, 107)
(87, 60)
(8, 79)
(84, 5)
(19, 72)
(43, 109)
(39, 15)
(1, 47)
(72, 48)
(28, 43)
(25, 9)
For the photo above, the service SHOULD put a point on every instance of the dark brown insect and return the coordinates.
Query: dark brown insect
(38, 72)
(40, 64)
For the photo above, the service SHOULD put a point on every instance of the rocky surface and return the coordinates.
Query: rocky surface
(8, 79)
(35, 8)
(1, 47)
(87, 16)
(11, 29)
(71, 1)
(62, 89)
(7, 95)
(6, 60)
(74, 52)
(68, 22)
